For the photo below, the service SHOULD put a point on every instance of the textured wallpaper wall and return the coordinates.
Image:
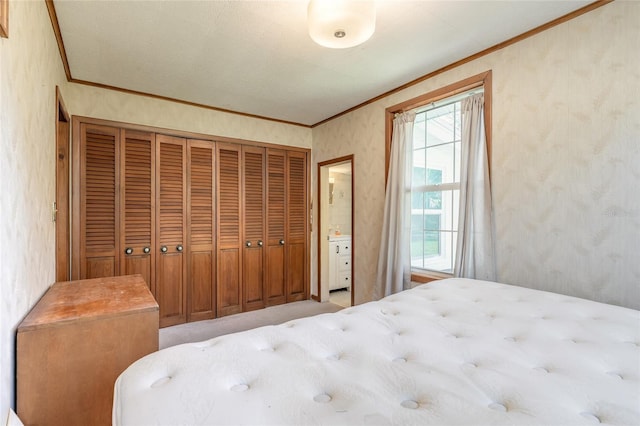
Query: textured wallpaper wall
(30, 69)
(566, 155)
(119, 106)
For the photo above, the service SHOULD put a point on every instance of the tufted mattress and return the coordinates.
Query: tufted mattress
(455, 351)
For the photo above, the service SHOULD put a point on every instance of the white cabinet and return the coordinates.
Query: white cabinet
(340, 262)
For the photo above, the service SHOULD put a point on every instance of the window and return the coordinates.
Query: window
(435, 170)
(435, 186)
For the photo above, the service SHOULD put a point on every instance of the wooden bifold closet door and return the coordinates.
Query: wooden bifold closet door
(275, 212)
(201, 263)
(96, 203)
(253, 205)
(287, 229)
(171, 290)
(138, 201)
(214, 228)
(229, 230)
(296, 229)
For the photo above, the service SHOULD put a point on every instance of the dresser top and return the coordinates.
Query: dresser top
(84, 300)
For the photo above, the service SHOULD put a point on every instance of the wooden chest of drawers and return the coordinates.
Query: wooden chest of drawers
(75, 342)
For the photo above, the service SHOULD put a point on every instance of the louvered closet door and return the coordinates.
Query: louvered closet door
(201, 225)
(171, 291)
(275, 215)
(99, 204)
(253, 191)
(296, 221)
(229, 230)
(137, 225)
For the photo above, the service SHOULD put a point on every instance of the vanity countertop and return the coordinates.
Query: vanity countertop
(340, 237)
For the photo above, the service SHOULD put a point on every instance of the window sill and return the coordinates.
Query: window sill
(428, 276)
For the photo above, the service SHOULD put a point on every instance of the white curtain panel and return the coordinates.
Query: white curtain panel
(475, 254)
(394, 260)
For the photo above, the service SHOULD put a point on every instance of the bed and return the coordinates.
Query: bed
(456, 351)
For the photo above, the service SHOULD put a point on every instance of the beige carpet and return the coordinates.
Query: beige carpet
(204, 330)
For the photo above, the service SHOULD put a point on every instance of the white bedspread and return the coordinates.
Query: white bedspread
(450, 352)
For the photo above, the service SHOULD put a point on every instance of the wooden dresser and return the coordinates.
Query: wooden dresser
(75, 342)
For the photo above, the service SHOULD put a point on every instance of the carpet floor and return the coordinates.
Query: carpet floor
(208, 329)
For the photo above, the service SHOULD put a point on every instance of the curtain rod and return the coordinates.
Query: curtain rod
(450, 100)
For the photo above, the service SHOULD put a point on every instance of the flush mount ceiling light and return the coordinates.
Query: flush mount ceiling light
(341, 23)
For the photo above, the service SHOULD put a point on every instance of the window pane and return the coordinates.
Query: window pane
(419, 133)
(431, 222)
(434, 176)
(458, 118)
(442, 259)
(457, 160)
(447, 210)
(417, 200)
(417, 222)
(456, 209)
(419, 171)
(433, 200)
(431, 244)
(417, 249)
(441, 158)
(440, 125)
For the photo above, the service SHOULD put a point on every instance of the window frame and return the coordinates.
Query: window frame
(479, 80)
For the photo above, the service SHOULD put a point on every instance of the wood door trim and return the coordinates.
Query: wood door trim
(62, 214)
(321, 164)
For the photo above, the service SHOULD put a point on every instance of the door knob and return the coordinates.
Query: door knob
(179, 247)
(248, 243)
(146, 250)
(163, 249)
(281, 242)
(128, 250)
(259, 243)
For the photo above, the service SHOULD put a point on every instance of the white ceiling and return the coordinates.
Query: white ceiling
(256, 57)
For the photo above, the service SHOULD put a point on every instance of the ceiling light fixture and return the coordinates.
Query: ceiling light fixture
(341, 23)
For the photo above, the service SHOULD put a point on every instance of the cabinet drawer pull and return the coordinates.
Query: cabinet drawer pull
(248, 243)
(146, 250)
(259, 243)
(128, 250)
(163, 249)
(179, 247)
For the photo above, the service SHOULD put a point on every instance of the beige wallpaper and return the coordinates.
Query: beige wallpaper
(566, 155)
(30, 69)
(119, 106)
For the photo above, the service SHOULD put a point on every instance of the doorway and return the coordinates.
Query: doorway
(336, 272)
